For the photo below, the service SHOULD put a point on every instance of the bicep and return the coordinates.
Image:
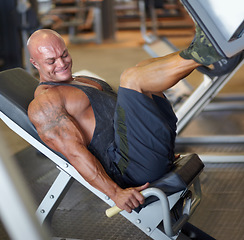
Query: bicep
(56, 127)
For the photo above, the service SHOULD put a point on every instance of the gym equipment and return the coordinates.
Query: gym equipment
(224, 26)
(179, 191)
(188, 103)
(198, 102)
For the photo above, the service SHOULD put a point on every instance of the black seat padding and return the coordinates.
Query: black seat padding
(184, 171)
(17, 91)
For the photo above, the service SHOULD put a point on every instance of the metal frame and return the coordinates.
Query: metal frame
(195, 104)
(206, 91)
(150, 217)
(149, 37)
(54, 196)
(22, 7)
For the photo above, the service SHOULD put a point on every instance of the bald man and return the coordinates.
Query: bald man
(118, 143)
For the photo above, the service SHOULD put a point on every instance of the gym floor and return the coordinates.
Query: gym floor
(81, 214)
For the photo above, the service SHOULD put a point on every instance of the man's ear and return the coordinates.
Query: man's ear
(34, 63)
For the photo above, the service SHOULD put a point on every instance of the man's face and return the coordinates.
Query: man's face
(53, 61)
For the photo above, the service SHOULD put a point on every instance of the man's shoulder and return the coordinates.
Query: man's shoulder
(57, 99)
(44, 90)
(44, 99)
(55, 95)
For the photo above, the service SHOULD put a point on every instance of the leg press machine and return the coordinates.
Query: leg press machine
(189, 102)
(169, 202)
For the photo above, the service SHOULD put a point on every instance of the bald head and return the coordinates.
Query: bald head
(41, 38)
(49, 55)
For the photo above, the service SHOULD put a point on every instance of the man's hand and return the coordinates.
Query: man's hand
(129, 198)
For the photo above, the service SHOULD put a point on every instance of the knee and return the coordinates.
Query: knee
(130, 78)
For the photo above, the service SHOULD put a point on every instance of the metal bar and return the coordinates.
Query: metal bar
(153, 18)
(54, 196)
(216, 139)
(165, 208)
(149, 38)
(98, 23)
(222, 158)
(224, 106)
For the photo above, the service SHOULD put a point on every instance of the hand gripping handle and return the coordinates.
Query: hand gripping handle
(170, 229)
(165, 204)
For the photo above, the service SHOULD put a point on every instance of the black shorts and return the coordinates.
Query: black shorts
(145, 132)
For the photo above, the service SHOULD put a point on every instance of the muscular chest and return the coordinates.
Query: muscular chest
(79, 107)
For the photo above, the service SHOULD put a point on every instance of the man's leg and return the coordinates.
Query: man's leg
(158, 74)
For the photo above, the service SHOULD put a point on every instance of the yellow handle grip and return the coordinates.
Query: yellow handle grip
(113, 211)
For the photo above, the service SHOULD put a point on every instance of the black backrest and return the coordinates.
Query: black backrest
(17, 89)
(16, 92)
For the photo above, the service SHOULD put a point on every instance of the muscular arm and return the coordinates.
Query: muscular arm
(61, 132)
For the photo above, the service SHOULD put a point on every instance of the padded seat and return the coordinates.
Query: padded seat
(184, 171)
(16, 92)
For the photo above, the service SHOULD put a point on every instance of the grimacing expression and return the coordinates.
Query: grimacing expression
(53, 60)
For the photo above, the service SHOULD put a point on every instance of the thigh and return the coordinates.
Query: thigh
(144, 137)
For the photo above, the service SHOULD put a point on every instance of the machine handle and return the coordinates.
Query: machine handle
(165, 205)
(189, 208)
(110, 212)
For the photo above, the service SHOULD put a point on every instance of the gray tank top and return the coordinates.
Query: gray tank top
(103, 104)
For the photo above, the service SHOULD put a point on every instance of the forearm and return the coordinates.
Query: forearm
(89, 167)
(93, 172)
